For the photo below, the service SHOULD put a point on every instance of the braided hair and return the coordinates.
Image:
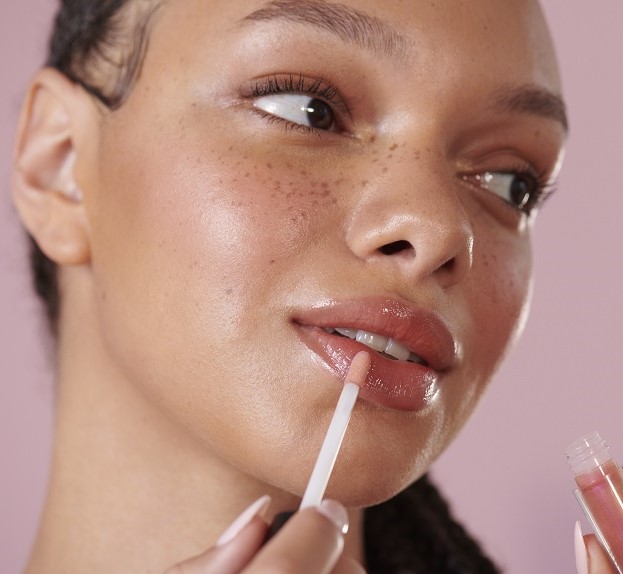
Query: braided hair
(100, 45)
(415, 533)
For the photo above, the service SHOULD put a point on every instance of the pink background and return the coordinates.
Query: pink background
(505, 474)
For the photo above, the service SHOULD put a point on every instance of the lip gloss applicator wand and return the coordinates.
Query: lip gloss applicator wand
(355, 377)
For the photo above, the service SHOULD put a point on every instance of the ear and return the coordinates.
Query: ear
(45, 191)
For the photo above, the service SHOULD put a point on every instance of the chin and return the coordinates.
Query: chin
(364, 491)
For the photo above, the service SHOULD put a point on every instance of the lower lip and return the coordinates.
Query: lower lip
(393, 384)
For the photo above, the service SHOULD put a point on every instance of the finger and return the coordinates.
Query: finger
(230, 558)
(598, 560)
(346, 565)
(235, 548)
(310, 543)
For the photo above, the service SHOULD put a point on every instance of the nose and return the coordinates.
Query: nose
(414, 226)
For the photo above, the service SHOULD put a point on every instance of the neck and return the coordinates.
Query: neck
(130, 490)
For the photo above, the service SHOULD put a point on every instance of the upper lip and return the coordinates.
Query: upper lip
(421, 330)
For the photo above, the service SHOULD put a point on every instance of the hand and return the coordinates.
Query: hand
(310, 542)
(590, 557)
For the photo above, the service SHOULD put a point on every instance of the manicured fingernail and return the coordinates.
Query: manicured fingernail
(256, 509)
(581, 556)
(336, 513)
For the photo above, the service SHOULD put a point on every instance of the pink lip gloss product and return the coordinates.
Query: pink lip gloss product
(600, 491)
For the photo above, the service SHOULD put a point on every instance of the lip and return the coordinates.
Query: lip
(390, 383)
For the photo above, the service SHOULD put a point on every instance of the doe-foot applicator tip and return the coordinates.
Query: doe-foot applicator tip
(358, 369)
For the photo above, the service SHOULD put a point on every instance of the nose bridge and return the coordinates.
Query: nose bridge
(411, 218)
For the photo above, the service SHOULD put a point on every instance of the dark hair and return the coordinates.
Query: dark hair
(100, 45)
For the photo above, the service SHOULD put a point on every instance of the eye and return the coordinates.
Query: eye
(522, 189)
(299, 109)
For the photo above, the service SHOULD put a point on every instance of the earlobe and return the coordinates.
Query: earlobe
(45, 191)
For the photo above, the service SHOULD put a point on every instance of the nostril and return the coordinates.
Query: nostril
(396, 247)
(448, 266)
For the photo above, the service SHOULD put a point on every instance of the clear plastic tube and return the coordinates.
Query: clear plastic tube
(600, 491)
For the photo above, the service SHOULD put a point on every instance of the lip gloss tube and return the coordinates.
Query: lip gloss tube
(600, 491)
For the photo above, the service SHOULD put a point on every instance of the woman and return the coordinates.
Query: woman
(213, 188)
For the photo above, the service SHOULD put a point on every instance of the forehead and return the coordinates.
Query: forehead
(511, 31)
(467, 52)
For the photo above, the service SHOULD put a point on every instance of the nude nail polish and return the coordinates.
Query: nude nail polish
(581, 555)
(256, 509)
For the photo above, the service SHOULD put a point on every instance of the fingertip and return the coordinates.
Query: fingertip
(581, 554)
(336, 513)
(598, 560)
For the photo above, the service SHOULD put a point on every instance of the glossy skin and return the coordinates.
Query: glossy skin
(220, 226)
(210, 228)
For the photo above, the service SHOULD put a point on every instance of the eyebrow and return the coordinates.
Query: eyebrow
(531, 99)
(371, 33)
(348, 24)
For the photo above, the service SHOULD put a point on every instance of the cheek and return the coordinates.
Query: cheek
(498, 293)
(192, 251)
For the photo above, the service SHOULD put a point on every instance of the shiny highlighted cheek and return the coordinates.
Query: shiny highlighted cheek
(275, 210)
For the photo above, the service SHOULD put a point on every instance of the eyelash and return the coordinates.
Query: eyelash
(299, 84)
(539, 183)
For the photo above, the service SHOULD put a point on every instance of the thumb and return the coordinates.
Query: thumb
(591, 558)
(234, 549)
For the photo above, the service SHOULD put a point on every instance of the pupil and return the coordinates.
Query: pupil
(319, 114)
(520, 192)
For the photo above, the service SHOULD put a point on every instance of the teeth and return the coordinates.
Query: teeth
(397, 350)
(376, 342)
(350, 333)
(379, 343)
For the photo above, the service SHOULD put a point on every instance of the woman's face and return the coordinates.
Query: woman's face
(282, 169)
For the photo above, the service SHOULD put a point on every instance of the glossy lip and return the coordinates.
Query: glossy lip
(390, 383)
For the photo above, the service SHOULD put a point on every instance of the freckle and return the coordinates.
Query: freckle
(385, 169)
(235, 180)
(269, 165)
(393, 147)
(231, 148)
(364, 182)
(289, 194)
(326, 193)
(303, 172)
(324, 185)
(104, 296)
(229, 291)
(248, 174)
(390, 155)
(416, 155)
(334, 201)
(288, 165)
(375, 160)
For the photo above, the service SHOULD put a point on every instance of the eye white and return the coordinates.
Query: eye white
(502, 185)
(292, 107)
